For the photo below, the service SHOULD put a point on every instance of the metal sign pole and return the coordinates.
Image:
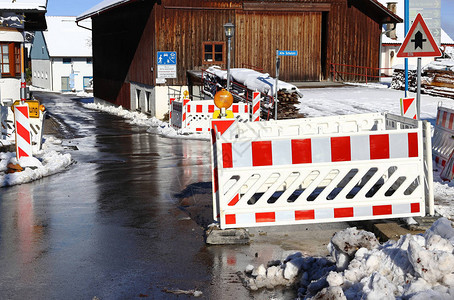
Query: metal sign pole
(418, 94)
(278, 62)
(406, 27)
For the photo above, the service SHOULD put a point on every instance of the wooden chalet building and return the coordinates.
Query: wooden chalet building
(127, 34)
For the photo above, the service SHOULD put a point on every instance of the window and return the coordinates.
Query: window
(10, 59)
(65, 84)
(213, 52)
(66, 60)
(87, 80)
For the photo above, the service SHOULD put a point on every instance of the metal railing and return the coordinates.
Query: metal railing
(239, 92)
(338, 70)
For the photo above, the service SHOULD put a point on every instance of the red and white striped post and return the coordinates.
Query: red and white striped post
(255, 107)
(23, 134)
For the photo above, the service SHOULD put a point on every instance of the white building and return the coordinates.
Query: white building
(15, 18)
(61, 56)
(392, 41)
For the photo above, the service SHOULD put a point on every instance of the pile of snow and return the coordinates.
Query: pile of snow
(254, 80)
(47, 161)
(414, 267)
(154, 125)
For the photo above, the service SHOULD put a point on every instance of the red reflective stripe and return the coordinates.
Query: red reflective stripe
(246, 109)
(211, 108)
(344, 212)
(230, 219)
(22, 153)
(413, 144)
(415, 208)
(215, 180)
(265, 217)
(23, 110)
(227, 155)
(184, 117)
(340, 149)
(199, 129)
(235, 108)
(24, 133)
(199, 108)
(304, 215)
(189, 108)
(262, 154)
(234, 200)
(221, 125)
(382, 210)
(256, 107)
(379, 146)
(301, 151)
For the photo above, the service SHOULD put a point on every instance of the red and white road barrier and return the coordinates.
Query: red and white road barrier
(255, 107)
(408, 108)
(442, 142)
(23, 133)
(195, 116)
(315, 170)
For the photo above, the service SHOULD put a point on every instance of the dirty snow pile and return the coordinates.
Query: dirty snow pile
(415, 267)
(154, 125)
(45, 162)
(254, 80)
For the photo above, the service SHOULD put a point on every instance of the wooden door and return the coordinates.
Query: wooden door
(259, 34)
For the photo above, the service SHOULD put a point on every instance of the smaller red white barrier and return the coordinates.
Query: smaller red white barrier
(408, 108)
(23, 135)
(196, 116)
(255, 107)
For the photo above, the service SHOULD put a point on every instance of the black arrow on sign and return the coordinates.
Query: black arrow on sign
(418, 40)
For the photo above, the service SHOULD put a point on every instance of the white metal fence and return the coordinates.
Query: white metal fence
(328, 169)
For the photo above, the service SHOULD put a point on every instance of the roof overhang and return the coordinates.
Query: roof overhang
(34, 14)
(102, 7)
(376, 11)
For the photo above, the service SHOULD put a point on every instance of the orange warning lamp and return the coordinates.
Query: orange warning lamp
(223, 99)
(42, 108)
(185, 94)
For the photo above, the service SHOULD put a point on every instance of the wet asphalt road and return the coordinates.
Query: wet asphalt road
(127, 219)
(112, 226)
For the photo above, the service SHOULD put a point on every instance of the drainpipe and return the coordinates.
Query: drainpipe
(381, 35)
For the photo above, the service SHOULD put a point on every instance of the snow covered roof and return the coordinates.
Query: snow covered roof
(445, 39)
(65, 39)
(23, 5)
(100, 7)
(370, 5)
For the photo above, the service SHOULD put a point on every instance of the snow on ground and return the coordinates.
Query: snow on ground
(416, 267)
(154, 125)
(46, 162)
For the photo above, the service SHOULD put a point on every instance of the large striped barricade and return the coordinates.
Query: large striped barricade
(23, 132)
(443, 141)
(328, 169)
(196, 116)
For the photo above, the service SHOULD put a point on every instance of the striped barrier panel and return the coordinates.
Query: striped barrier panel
(8, 127)
(196, 116)
(443, 141)
(255, 107)
(23, 132)
(353, 170)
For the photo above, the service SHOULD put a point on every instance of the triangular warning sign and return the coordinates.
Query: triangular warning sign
(419, 42)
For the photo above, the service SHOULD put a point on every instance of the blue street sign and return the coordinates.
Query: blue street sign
(167, 57)
(287, 53)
